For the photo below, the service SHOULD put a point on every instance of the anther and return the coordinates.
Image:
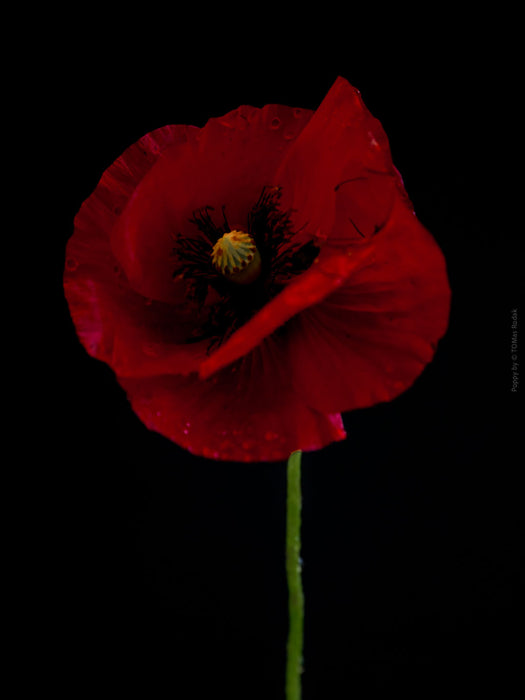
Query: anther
(235, 256)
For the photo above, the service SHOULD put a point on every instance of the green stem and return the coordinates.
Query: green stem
(294, 664)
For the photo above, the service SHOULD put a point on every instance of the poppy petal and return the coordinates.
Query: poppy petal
(234, 415)
(342, 144)
(135, 335)
(369, 340)
(222, 167)
(101, 212)
(131, 332)
(327, 274)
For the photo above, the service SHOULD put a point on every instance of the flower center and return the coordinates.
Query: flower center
(236, 257)
(231, 274)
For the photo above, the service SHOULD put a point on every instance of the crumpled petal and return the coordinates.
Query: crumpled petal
(342, 154)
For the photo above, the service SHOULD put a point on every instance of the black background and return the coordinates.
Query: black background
(163, 573)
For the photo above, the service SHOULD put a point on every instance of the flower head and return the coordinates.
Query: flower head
(249, 281)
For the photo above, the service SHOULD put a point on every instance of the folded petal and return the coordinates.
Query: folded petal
(370, 339)
(247, 412)
(328, 273)
(339, 168)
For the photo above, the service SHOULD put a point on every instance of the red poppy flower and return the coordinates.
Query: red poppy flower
(249, 281)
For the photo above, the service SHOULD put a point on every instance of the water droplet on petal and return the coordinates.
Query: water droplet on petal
(208, 452)
(289, 135)
(275, 123)
(298, 112)
(269, 435)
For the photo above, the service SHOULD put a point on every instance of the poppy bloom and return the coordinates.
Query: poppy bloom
(250, 280)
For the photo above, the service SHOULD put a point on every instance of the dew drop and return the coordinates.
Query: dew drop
(71, 264)
(208, 452)
(269, 436)
(275, 123)
(289, 135)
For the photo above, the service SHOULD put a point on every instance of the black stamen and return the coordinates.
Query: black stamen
(204, 223)
(281, 260)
